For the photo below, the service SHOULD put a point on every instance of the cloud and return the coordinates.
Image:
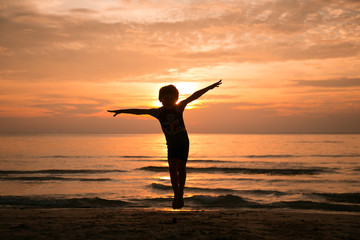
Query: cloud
(74, 44)
(83, 11)
(68, 108)
(225, 117)
(330, 83)
(79, 106)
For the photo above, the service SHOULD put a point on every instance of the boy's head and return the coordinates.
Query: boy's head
(168, 95)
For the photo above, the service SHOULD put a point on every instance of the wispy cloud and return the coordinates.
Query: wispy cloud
(56, 105)
(332, 83)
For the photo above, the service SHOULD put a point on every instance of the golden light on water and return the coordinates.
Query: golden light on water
(163, 178)
(179, 210)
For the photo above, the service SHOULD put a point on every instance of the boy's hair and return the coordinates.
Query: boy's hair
(170, 89)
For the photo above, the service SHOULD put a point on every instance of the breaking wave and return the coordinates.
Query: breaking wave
(194, 202)
(233, 201)
(340, 197)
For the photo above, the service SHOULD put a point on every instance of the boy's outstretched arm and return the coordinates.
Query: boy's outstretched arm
(201, 92)
(130, 111)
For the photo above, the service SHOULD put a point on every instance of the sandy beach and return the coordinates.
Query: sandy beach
(111, 223)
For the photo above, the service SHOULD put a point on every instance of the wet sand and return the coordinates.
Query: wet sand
(112, 223)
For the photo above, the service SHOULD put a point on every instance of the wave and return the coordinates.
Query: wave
(211, 161)
(54, 179)
(129, 156)
(138, 158)
(195, 202)
(340, 197)
(310, 205)
(272, 171)
(320, 142)
(48, 202)
(287, 180)
(233, 201)
(270, 156)
(335, 155)
(159, 186)
(60, 171)
(92, 156)
(220, 201)
(163, 158)
(308, 181)
(298, 156)
(69, 156)
(192, 160)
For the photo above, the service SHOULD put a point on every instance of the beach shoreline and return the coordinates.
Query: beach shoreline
(119, 223)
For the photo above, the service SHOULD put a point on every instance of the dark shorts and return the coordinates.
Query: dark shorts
(179, 151)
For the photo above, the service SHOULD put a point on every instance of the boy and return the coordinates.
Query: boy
(170, 116)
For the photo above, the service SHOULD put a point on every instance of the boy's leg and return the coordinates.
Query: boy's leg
(174, 179)
(181, 169)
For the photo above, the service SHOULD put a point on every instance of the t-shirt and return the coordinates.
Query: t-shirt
(172, 123)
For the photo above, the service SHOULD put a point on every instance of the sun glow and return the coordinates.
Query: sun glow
(186, 87)
(185, 90)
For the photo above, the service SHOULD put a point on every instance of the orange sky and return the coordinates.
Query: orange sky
(287, 66)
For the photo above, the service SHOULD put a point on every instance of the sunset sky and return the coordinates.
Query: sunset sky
(287, 65)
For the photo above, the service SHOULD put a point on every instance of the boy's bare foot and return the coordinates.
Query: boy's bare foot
(181, 202)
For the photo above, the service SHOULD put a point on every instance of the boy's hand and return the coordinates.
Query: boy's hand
(217, 84)
(113, 111)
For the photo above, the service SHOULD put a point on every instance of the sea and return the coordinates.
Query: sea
(317, 172)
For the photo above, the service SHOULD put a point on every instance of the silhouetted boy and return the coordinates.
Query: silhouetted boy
(170, 116)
